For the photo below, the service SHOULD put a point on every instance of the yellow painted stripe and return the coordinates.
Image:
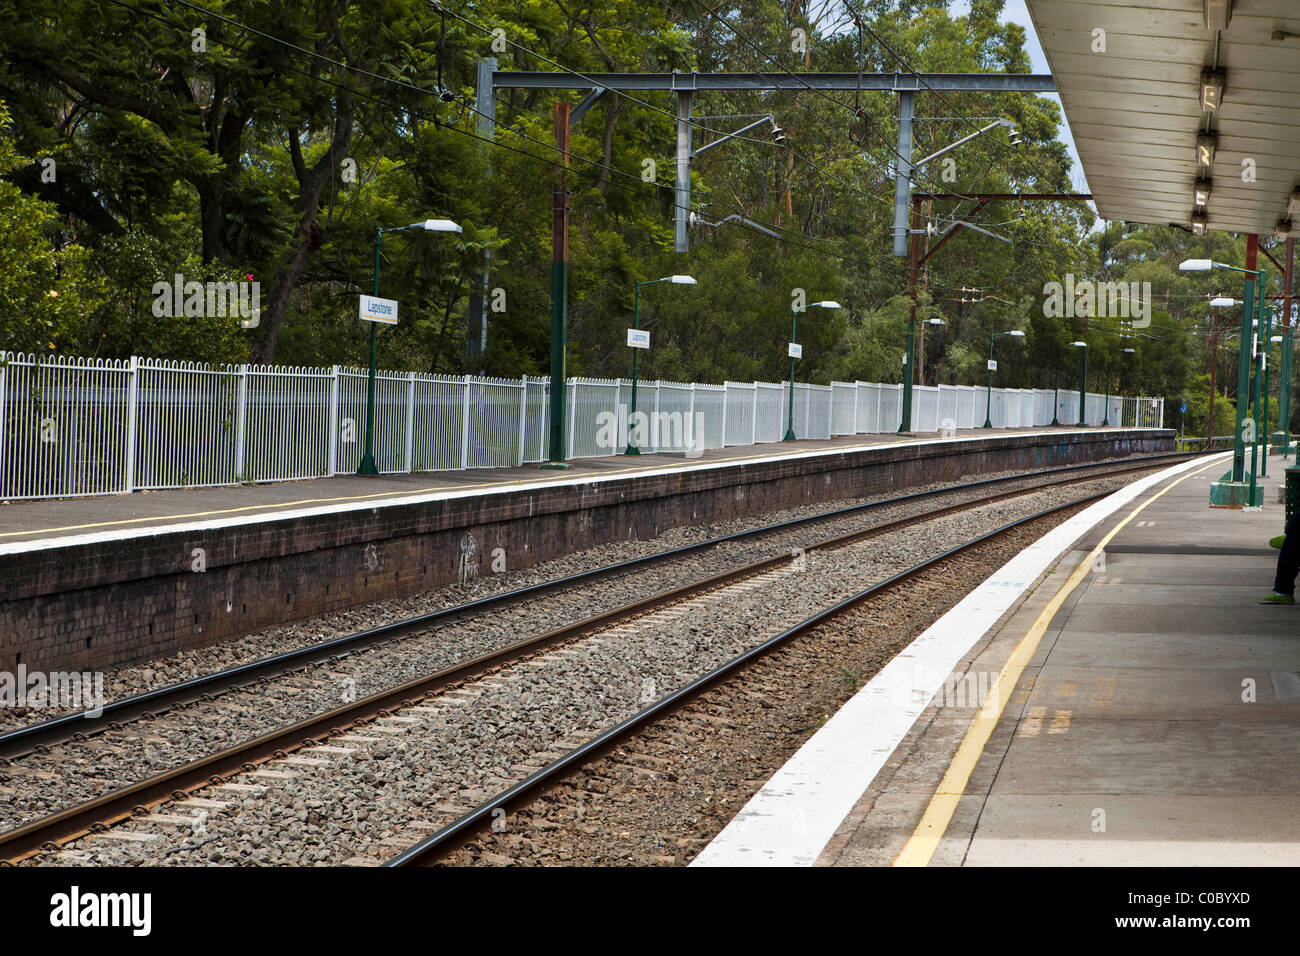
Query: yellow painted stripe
(934, 823)
(286, 505)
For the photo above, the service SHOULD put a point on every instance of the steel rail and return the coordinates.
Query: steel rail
(451, 837)
(108, 809)
(22, 741)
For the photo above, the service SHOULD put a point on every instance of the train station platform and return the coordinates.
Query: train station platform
(1139, 709)
(93, 583)
(112, 517)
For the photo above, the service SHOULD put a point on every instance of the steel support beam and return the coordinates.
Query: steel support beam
(903, 173)
(587, 103)
(682, 187)
(477, 325)
(850, 82)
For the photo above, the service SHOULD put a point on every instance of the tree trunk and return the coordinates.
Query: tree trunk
(307, 234)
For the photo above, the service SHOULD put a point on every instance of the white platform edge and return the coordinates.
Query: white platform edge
(415, 498)
(794, 815)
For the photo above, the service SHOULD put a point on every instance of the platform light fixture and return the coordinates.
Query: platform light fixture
(1200, 221)
(1254, 301)
(1293, 202)
(632, 448)
(1217, 14)
(368, 464)
(1282, 231)
(1212, 81)
(1206, 144)
(1083, 380)
(794, 319)
(1201, 191)
(988, 401)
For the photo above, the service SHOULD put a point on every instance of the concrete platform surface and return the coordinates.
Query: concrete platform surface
(1150, 713)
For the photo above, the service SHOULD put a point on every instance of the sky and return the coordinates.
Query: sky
(1016, 12)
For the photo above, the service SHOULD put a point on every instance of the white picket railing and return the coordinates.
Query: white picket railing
(72, 427)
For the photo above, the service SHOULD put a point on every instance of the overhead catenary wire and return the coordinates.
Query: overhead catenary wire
(866, 154)
(784, 236)
(659, 109)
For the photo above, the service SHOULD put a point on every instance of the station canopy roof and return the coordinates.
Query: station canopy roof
(1136, 109)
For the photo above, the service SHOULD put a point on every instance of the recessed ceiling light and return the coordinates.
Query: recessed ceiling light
(1206, 144)
(1212, 81)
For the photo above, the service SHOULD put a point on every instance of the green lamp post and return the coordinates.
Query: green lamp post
(1252, 301)
(1056, 391)
(1083, 381)
(794, 319)
(1126, 351)
(368, 466)
(988, 399)
(1284, 412)
(632, 448)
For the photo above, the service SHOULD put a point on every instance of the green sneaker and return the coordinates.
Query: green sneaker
(1276, 542)
(1276, 598)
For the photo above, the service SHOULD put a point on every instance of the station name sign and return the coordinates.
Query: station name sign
(375, 309)
(638, 338)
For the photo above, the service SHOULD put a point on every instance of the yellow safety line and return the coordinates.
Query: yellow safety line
(277, 506)
(934, 823)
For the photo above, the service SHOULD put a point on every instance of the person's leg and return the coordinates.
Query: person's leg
(1288, 560)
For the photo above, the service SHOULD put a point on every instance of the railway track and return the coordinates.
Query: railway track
(17, 743)
(222, 768)
(455, 834)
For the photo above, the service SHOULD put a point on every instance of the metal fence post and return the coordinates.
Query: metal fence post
(724, 416)
(410, 421)
(464, 429)
(4, 425)
(754, 431)
(241, 421)
(132, 397)
(573, 418)
(334, 421)
(689, 424)
(523, 418)
(545, 430)
(654, 423)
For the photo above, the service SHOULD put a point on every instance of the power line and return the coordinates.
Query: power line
(961, 113)
(784, 237)
(822, 93)
(658, 109)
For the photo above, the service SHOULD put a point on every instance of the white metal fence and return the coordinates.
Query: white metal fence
(71, 426)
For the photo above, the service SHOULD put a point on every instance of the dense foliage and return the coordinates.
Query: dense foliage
(243, 138)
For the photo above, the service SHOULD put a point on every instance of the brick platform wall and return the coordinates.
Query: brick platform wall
(98, 605)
